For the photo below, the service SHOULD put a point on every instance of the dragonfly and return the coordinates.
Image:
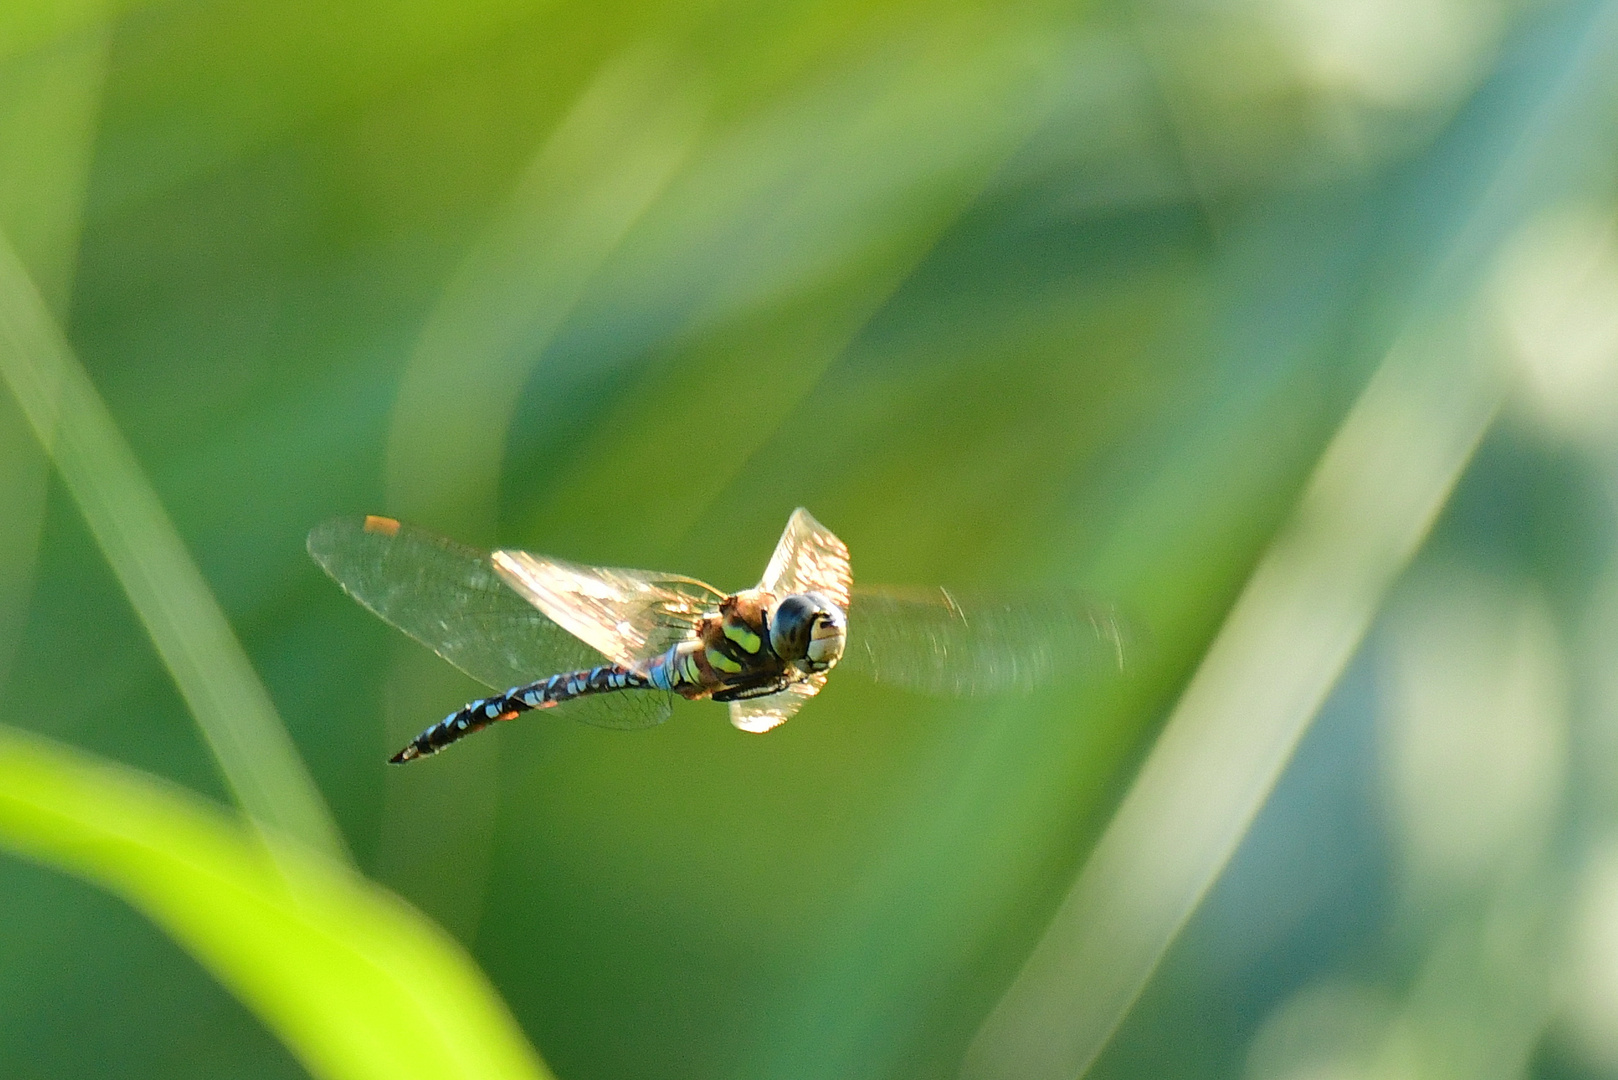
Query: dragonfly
(615, 647)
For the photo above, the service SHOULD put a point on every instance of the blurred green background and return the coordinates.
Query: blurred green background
(1007, 295)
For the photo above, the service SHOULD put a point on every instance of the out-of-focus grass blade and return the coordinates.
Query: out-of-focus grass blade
(22, 514)
(1382, 482)
(1375, 493)
(608, 159)
(192, 636)
(357, 984)
(49, 104)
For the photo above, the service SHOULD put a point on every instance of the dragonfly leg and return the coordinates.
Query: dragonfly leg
(761, 687)
(543, 694)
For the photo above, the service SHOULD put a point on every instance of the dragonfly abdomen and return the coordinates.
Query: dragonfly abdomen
(543, 694)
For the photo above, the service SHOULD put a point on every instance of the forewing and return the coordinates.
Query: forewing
(449, 598)
(626, 615)
(937, 641)
(760, 714)
(809, 557)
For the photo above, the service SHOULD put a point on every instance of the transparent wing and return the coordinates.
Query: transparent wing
(809, 557)
(625, 710)
(626, 615)
(938, 641)
(449, 598)
(760, 714)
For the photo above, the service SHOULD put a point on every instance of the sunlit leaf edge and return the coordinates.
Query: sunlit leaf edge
(355, 982)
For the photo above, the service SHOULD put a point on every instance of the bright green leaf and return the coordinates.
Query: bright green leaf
(355, 982)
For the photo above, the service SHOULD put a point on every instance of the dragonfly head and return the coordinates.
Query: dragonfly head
(808, 630)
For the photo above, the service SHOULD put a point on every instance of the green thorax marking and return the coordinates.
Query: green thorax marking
(722, 663)
(740, 633)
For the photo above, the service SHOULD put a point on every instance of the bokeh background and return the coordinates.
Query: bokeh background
(1141, 298)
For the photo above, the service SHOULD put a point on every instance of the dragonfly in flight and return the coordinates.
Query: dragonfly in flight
(623, 644)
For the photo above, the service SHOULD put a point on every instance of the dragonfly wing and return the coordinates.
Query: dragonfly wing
(809, 557)
(938, 641)
(760, 714)
(449, 598)
(626, 615)
(625, 710)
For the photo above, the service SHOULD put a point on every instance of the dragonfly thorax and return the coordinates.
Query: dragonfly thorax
(808, 631)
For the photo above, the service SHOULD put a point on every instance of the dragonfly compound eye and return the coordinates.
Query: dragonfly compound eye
(808, 629)
(791, 622)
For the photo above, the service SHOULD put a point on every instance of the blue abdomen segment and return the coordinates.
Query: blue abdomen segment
(678, 670)
(666, 672)
(543, 694)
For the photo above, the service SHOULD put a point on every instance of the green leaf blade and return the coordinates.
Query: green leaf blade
(355, 982)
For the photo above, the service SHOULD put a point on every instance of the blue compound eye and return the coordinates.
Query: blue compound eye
(809, 630)
(792, 622)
